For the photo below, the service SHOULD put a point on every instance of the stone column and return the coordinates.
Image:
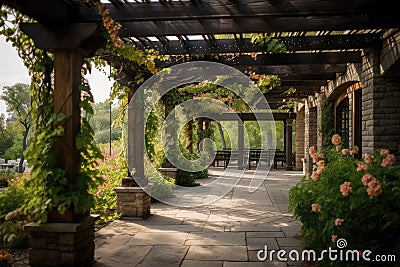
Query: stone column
(310, 133)
(288, 139)
(133, 197)
(300, 127)
(380, 107)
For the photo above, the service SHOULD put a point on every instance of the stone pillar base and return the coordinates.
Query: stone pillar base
(61, 244)
(133, 201)
(170, 172)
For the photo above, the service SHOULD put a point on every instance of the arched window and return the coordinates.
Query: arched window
(343, 120)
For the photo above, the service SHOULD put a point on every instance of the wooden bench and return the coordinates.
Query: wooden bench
(280, 156)
(222, 155)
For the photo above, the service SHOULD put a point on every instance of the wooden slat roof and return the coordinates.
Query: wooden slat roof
(321, 37)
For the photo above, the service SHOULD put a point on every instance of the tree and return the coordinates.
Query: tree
(18, 103)
(100, 122)
(6, 138)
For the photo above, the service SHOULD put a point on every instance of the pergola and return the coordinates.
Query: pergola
(321, 38)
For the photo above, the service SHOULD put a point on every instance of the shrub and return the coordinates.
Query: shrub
(113, 171)
(188, 179)
(7, 175)
(162, 185)
(351, 199)
(11, 217)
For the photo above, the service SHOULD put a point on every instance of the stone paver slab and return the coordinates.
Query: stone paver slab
(205, 263)
(216, 238)
(171, 256)
(164, 238)
(289, 242)
(231, 253)
(254, 264)
(123, 256)
(260, 243)
(264, 234)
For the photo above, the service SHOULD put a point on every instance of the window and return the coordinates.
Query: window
(342, 120)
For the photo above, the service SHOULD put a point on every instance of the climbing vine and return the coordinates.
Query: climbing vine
(48, 182)
(327, 122)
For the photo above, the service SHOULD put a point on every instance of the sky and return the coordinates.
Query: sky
(13, 71)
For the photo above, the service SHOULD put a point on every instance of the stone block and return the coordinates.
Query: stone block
(43, 257)
(38, 242)
(66, 238)
(67, 244)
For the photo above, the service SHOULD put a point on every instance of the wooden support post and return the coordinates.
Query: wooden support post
(240, 145)
(288, 131)
(135, 138)
(284, 135)
(67, 78)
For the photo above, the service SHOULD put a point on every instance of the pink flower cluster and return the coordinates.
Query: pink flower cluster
(315, 207)
(374, 186)
(336, 139)
(362, 167)
(368, 158)
(314, 155)
(388, 160)
(345, 188)
(320, 164)
(338, 222)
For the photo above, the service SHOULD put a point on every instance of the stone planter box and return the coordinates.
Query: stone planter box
(133, 201)
(61, 244)
(169, 172)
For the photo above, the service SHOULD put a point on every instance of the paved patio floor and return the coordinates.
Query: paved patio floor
(226, 233)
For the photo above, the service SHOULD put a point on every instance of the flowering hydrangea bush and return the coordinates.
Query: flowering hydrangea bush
(344, 197)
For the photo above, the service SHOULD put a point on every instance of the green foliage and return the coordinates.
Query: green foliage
(273, 45)
(188, 179)
(100, 122)
(6, 138)
(11, 217)
(8, 176)
(112, 171)
(366, 215)
(18, 103)
(48, 182)
(185, 178)
(162, 185)
(327, 122)
(15, 148)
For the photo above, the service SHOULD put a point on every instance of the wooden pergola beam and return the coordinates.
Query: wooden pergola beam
(249, 116)
(279, 59)
(289, 69)
(214, 9)
(256, 25)
(292, 43)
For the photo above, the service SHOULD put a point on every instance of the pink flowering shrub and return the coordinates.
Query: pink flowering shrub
(344, 197)
(112, 170)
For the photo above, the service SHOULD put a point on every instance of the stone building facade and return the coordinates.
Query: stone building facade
(366, 105)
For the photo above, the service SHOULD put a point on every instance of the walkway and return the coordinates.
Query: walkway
(227, 233)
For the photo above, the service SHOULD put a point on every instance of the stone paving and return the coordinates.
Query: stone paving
(226, 233)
